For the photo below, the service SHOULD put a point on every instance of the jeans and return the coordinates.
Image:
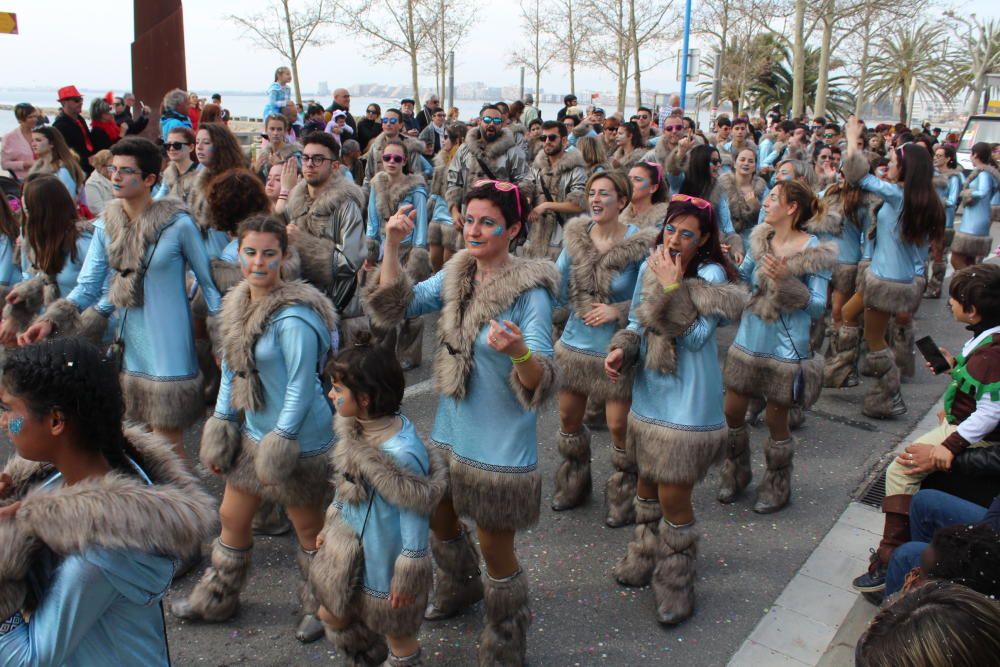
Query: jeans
(929, 511)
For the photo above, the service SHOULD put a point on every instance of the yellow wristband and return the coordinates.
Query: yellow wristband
(523, 358)
(671, 287)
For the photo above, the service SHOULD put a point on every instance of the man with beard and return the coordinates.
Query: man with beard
(558, 179)
(665, 151)
(392, 126)
(488, 152)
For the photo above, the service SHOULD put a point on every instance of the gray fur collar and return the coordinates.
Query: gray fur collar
(663, 150)
(743, 213)
(439, 181)
(487, 151)
(244, 322)
(591, 272)
(388, 194)
(412, 146)
(312, 214)
(286, 151)
(467, 309)
(128, 243)
(569, 161)
(178, 184)
(357, 461)
(989, 169)
(942, 177)
(631, 156)
(116, 511)
(810, 260)
(656, 214)
(197, 199)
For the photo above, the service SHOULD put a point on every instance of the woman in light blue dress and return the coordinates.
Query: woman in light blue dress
(494, 371)
(972, 240)
(676, 427)
(271, 429)
(789, 273)
(92, 519)
(695, 172)
(948, 184)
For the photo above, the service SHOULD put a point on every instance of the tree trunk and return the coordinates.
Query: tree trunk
(909, 101)
(799, 59)
(633, 43)
(538, 88)
(859, 95)
(571, 54)
(819, 106)
(904, 95)
(977, 94)
(295, 54)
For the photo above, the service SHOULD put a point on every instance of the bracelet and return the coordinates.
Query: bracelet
(523, 358)
(284, 192)
(671, 287)
(283, 196)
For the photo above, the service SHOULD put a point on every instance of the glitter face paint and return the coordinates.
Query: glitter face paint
(14, 425)
(498, 230)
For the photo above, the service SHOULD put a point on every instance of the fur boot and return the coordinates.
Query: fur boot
(635, 568)
(736, 471)
(902, 348)
(270, 520)
(415, 660)
(935, 280)
(840, 367)
(775, 489)
(594, 417)
(796, 417)
(673, 578)
(457, 575)
(361, 646)
(620, 489)
(573, 481)
(310, 628)
(754, 410)
(884, 400)
(216, 596)
(503, 641)
(865, 364)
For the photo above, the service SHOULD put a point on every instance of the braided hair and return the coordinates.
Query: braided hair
(70, 375)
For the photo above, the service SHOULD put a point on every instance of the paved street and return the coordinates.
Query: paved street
(582, 617)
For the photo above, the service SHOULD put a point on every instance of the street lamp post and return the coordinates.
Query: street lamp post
(685, 51)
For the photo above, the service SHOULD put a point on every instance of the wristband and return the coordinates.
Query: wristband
(671, 287)
(523, 358)
(284, 192)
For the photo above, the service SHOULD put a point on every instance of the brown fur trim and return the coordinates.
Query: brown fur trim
(31, 293)
(496, 500)
(197, 199)
(628, 341)
(771, 300)
(316, 254)
(220, 444)
(64, 316)
(389, 194)
(489, 151)
(674, 163)
(163, 404)
(628, 158)
(386, 304)
(743, 214)
(181, 185)
(93, 326)
(307, 484)
(859, 285)
(584, 374)
(972, 245)
(336, 566)
(277, 457)
(845, 277)
(417, 263)
(654, 216)
(569, 161)
(356, 460)
(548, 385)
(591, 271)
(17, 550)
(378, 614)
(312, 215)
(439, 181)
(831, 222)
(467, 308)
(128, 241)
(854, 167)
(245, 321)
(673, 456)
(226, 275)
(890, 296)
(770, 378)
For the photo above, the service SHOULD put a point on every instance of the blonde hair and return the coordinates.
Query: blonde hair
(100, 159)
(623, 186)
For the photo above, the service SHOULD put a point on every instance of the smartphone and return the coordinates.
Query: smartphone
(930, 351)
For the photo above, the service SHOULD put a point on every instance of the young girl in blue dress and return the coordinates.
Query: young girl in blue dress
(972, 240)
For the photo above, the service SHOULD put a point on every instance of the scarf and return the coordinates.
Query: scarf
(110, 128)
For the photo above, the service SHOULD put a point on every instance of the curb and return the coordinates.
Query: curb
(818, 617)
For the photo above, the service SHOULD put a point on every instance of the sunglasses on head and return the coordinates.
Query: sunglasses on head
(697, 201)
(175, 145)
(551, 137)
(389, 121)
(394, 158)
(491, 119)
(502, 186)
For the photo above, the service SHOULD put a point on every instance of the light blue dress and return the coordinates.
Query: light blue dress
(950, 193)
(97, 607)
(67, 180)
(850, 240)
(289, 357)
(391, 531)
(417, 197)
(976, 214)
(893, 259)
(278, 96)
(10, 272)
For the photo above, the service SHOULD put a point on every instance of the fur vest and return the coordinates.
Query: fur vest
(180, 185)
(966, 195)
(772, 299)
(652, 218)
(439, 182)
(743, 214)
(116, 511)
(388, 194)
(627, 159)
(591, 271)
(942, 177)
(244, 322)
(666, 317)
(129, 242)
(314, 215)
(488, 151)
(197, 200)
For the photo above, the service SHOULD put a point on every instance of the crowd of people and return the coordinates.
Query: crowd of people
(588, 260)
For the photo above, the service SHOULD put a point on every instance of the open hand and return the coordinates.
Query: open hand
(506, 339)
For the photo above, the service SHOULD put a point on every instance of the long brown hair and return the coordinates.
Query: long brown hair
(708, 226)
(49, 223)
(227, 153)
(809, 205)
(852, 198)
(62, 154)
(922, 213)
(8, 220)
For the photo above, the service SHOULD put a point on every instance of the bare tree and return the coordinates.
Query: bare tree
(446, 24)
(798, 58)
(649, 33)
(541, 48)
(833, 18)
(288, 31)
(570, 30)
(610, 49)
(396, 29)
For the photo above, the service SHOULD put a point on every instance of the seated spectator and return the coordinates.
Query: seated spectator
(97, 189)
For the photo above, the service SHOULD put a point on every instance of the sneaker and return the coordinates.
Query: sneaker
(872, 581)
(898, 406)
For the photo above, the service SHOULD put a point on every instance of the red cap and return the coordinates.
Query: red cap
(68, 91)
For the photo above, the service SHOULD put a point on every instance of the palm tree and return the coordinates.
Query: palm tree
(910, 62)
(774, 85)
(746, 60)
(978, 55)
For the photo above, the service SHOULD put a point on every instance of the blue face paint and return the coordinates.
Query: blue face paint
(340, 402)
(498, 230)
(271, 266)
(244, 262)
(14, 425)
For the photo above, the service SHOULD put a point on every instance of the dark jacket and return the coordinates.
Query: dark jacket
(425, 115)
(367, 130)
(134, 126)
(350, 118)
(77, 136)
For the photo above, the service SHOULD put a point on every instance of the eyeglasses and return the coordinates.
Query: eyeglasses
(175, 145)
(673, 128)
(394, 158)
(371, 111)
(315, 160)
(491, 119)
(389, 121)
(551, 137)
(124, 171)
(502, 186)
(697, 201)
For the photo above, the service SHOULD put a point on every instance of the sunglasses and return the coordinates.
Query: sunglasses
(673, 128)
(175, 145)
(71, 99)
(371, 111)
(551, 137)
(829, 135)
(502, 186)
(825, 158)
(697, 201)
(393, 158)
(715, 162)
(389, 121)
(490, 119)
(643, 116)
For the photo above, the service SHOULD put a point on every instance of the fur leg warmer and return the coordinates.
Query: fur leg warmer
(903, 349)
(459, 584)
(775, 489)
(270, 520)
(217, 595)
(884, 400)
(504, 640)
(845, 343)
(573, 482)
(310, 628)
(673, 578)
(935, 280)
(635, 568)
(620, 489)
(361, 646)
(736, 472)
(796, 417)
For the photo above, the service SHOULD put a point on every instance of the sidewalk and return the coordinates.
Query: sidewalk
(818, 618)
